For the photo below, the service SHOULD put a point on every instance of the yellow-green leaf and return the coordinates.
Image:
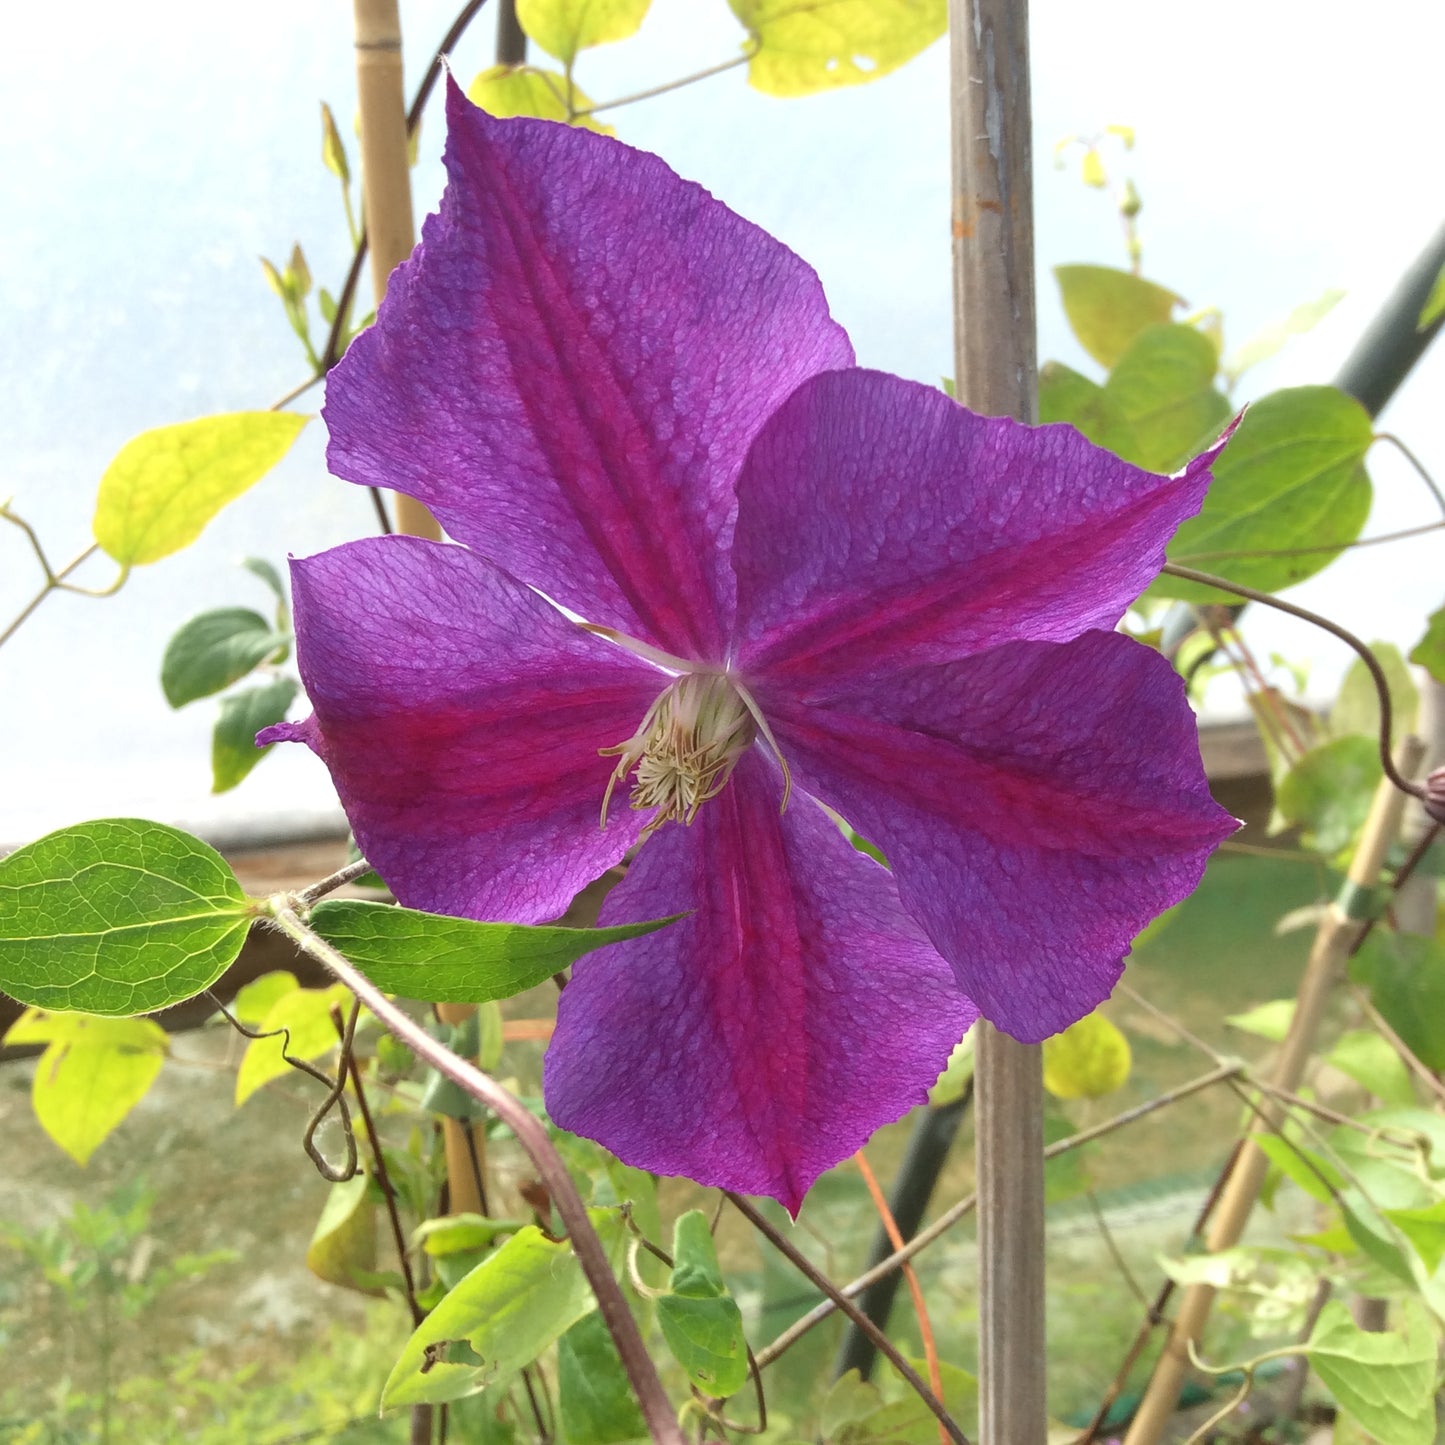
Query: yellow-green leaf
(1089, 1059)
(1108, 309)
(305, 1013)
(1267, 1020)
(253, 1002)
(563, 27)
(1386, 1380)
(343, 1246)
(508, 90)
(93, 1072)
(165, 485)
(802, 46)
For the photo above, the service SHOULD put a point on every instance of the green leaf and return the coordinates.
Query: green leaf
(1425, 1229)
(333, 152)
(305, 1014)
(343, 1245)
(1429, 652)
(563, 27)
(1089, 1059)
(462, 1233)
(93, 1072)
(455, 960)
(700, 1321)
(1065, 395)
(253, 1002)
(214, 650)
(165, 485)
(957, 1073)
(1434, 307)
(507, 90)
(1385, 1381)
(1357, 708)
(803, 47)
(1108, 309)
(260, 567)
(508, 1310)
(1267, 1020)
(1163, 386)
(596, 1400)
(1264, 344)
(1405, 974)
(1328, 792)
(119, 916)
(1292, 476)
(1373, 1064)
(233, 743)
(1310, 1170)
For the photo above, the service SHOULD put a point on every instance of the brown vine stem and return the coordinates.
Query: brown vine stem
(667, 86)
(956, 1212)
(1403, 535)
(656, 1410)
(820, 1281)
(1377, 673)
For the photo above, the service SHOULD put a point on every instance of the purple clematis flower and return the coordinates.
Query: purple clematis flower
(802, 583)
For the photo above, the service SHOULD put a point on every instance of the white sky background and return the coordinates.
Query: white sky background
(151, 152)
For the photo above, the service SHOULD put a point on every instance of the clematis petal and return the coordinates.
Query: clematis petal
(1039, 804)
(569, 371)
(461, 716)
(762, 1038)
(881, 524)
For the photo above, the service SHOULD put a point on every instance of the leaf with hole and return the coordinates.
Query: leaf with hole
(119, 916)
(802, 47)
(456, 960)
(165, 485)
(1386, 1381)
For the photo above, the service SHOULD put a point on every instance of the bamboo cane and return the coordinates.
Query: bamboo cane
(995, 351)
(1341, 926)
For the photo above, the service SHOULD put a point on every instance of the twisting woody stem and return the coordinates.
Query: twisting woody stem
(656, 1411)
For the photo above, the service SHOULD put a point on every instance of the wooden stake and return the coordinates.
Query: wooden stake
(1337, 933)
(386, 176)
(996, 361)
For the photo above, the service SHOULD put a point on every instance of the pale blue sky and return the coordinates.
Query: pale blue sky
(152, 151)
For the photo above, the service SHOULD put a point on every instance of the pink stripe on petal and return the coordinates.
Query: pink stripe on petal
(1039, 804)
(880, 525)
(765, 1036)
(460, 716)
(570, 369)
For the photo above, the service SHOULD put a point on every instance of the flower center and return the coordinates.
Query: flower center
(686, 748)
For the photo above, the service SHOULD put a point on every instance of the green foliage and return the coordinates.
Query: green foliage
(803, 47)
(165, 485)
(310, 1033)
(1328, 792)
(1434, 307)
(1405, 974)
(1267, 1021)
(1067, 395)
(1266, 343)
(507, 90)
(700, 1321)
(1374, 1065)
(93, 1072)
(1385, 1381)
(563, 27)
(456, 960)
(1357, 707)
(858, 1413)
(215, 649)
(1429, 652)
(508, 1310)
(595, 1398)
(243, 714)
(1089, 1059)
(1108, 309)
(1292, 476)
(343, 1248)
(1163, 387)
(118, 916)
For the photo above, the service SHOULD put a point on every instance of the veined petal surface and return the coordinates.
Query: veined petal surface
(880, 525)
(461, 717)
(1039, 803)
(570, 369)
(764, 1037)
